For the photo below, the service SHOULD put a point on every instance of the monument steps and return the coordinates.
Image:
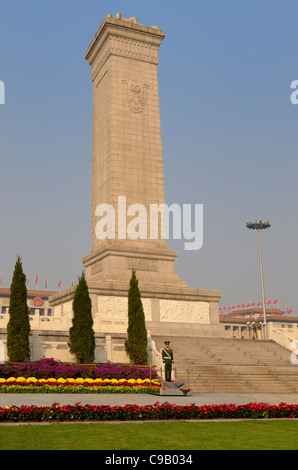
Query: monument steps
(222, 365)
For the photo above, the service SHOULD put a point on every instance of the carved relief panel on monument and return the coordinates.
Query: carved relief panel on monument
(136, 95)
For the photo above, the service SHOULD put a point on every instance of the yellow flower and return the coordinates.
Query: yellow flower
(98, 380)
(122, 380)
(2, 380)
(51, 379)
(31, 379)
(21, 379)
(70, 380)
(61, 380)
(114, 381)
(42, 380)
(131, 381)
(79, 380)
(89, 381)
(11, 379)
(155, 381)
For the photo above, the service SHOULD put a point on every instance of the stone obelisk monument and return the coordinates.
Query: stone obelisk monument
(127, 174)
(127, 164)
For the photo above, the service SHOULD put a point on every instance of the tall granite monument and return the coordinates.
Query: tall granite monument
(127, 173)
(127, 165)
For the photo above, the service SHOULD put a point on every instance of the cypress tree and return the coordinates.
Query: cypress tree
(136, 342)
(81, 334)
(18, 327)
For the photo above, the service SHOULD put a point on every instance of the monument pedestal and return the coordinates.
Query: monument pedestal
(114, 263)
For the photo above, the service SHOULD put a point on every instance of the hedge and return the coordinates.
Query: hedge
(164, 411)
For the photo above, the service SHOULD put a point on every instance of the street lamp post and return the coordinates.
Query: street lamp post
(259, 225)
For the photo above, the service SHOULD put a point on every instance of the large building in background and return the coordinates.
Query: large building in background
(244, 322)
(38, 303)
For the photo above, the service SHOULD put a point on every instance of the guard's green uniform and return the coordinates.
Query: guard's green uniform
(168, 359)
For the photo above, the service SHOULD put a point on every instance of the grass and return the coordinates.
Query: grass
(200, 435)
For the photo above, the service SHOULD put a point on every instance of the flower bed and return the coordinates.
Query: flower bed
(79, 385)
(157, 411)
(47, 368)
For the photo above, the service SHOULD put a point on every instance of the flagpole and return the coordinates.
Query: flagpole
(262, 283)
(259, 225)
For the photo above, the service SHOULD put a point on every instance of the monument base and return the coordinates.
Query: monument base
(169, 311)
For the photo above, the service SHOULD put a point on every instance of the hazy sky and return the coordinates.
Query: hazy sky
(229, 134)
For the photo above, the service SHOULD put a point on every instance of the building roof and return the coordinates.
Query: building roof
(269, 318)
(35, 293)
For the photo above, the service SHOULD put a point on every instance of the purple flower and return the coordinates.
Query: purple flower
(49, 367)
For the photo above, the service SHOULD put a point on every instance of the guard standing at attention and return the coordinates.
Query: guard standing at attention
(168, 359)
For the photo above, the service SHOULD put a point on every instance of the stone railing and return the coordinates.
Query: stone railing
(281, 335)
(39, 322)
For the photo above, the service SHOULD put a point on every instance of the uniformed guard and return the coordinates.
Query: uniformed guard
(168, 359)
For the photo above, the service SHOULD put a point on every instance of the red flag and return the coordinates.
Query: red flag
(275, 301)
(46, 284)
(27, 282)
(289, 310)
(0, 280)
(72, 284)
(243, 305)
(272, 309)
(238, 306)
(260, 303)
(269, 302)
(253, 304)
(59, 284)
(248, 305)
(36, 279)
(234, 306)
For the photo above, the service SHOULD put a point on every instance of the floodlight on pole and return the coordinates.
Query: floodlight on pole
(260, 225)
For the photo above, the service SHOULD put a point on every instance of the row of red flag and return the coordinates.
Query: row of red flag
(36, 282)
(253, 304)
(46, 282)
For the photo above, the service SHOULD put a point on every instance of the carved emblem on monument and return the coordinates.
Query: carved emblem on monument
(136, 96)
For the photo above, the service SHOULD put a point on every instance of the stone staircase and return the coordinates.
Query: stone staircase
(226, 365)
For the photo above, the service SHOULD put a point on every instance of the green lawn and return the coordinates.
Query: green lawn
(235, 435)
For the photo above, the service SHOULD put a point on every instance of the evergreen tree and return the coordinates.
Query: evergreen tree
(18, 327)
(136, 342)
(81, 334)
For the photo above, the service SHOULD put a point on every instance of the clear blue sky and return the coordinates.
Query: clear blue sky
(229, 134)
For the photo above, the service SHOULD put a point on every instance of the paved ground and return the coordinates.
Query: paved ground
(44, 399)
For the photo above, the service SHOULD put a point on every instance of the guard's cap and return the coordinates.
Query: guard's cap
(167, 342)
